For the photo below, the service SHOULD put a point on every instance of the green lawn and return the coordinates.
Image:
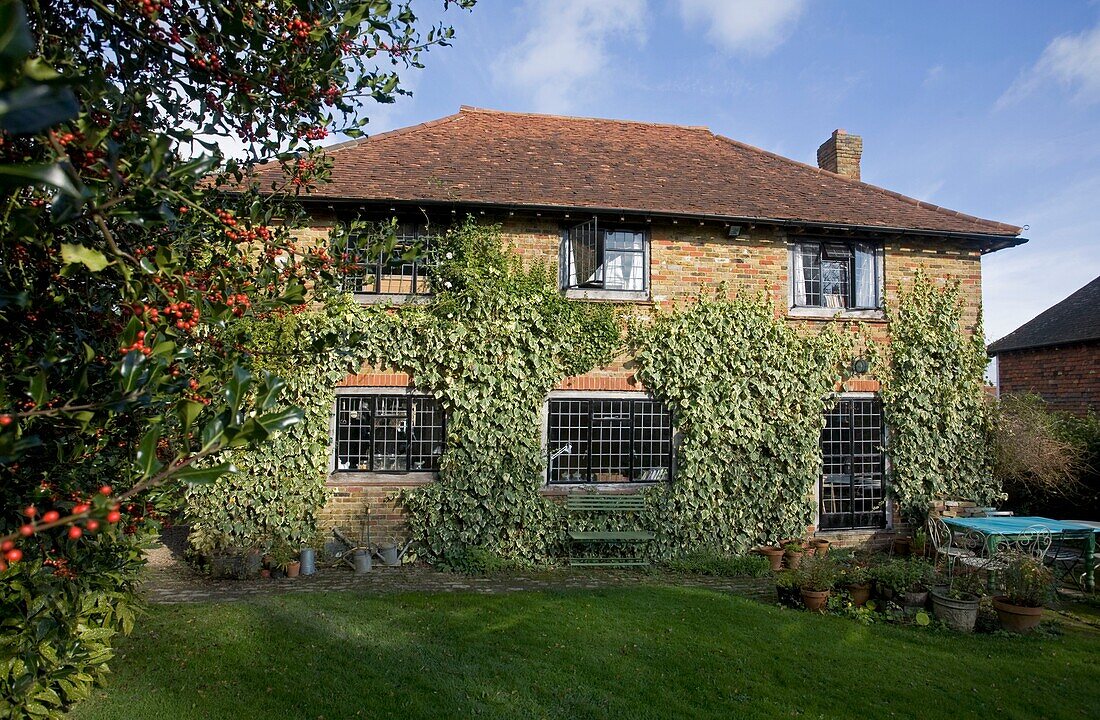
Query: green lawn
(631, 653)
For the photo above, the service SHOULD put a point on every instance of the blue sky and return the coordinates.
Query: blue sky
(990, 108)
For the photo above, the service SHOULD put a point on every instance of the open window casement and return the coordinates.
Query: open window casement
(594, 257)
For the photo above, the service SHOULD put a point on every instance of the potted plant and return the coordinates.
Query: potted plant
(792, 553)
(856, 579)
(918, 576)
(816, 578)
(774, 554)
(786, 588)
(1028, 585)
(284, 559)
(901, 546)
(821, 545)
(956, 601)
(919, 544)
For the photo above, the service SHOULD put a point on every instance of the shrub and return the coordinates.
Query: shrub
(475, 560)
(60, 618)
(1033, 452)
(902, 576)
(710, 562)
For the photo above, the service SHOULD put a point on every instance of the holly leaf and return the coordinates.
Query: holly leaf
(38, 174)
(204, 475)
(93, 259)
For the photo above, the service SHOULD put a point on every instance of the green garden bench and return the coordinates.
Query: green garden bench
(576, 503)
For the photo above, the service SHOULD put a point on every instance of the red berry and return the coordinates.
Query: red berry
(92, 525)
(81, 508)
(5, 420)
(6, 545)
(114, 516)
(105, 490)
(26, 530)
(75, 532)
(14, 555)
(30, 511)
(51, 516)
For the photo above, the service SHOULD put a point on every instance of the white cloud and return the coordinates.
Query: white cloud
(1072, 61)
(751, 27)
(566, 47)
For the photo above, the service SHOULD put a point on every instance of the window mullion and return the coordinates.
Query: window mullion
(588, 477)
(373, 436)
(630, 405)
(408, 433)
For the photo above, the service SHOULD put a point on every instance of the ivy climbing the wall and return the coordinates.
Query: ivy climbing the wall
(279, 487)
(749, 394)
(933, 400)
(495, 338)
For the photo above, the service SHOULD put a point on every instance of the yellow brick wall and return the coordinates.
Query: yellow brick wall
(685, 259)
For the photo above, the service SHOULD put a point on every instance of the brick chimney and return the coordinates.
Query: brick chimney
(840, 154)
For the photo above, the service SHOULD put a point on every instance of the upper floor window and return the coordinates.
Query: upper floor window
(608, 440)
(388, 433)
(599, 258)
(837, 275)
(399, 271)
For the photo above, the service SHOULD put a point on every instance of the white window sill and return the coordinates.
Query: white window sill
(608, 488)
(835, 313)
(610, 295)
(390, 298)
(363, 477)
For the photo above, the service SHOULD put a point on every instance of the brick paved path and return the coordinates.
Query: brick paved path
(170, 580)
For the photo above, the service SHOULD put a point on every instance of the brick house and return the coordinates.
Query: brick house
(644, 215)
(1056, 355)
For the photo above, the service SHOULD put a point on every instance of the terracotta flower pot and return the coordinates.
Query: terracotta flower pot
(822, 546)
(293, 568)
(815, 600)
(774, 556)
(793, 558)
(860, 593)
(1016, 618)
(809, 549)
(901, 546)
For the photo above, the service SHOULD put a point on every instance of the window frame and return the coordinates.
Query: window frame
(669, 467)
(883, 516)
(851, 308)
(598, 289)
(374, 395)
(409, 234)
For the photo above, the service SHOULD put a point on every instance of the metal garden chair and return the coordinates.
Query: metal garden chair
(943, 542)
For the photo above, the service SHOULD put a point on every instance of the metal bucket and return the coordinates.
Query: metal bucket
(309, 561)
(361, 559)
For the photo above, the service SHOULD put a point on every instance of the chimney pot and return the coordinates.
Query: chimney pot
(841, 154)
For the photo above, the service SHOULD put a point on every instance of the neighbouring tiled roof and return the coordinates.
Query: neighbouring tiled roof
(1075, 319)
(527, 160)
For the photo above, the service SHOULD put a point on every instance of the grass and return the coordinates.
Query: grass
(622, 653)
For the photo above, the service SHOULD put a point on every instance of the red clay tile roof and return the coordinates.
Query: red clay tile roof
(527, 160)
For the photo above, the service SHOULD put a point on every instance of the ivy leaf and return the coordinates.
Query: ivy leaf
(93, 259)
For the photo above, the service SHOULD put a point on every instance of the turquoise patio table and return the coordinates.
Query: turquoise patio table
(1016, 526)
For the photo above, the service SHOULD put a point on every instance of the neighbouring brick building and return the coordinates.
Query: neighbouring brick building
(644, 215)
(1056, 355)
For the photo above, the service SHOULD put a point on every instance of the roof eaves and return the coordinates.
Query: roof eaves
(996, 228)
